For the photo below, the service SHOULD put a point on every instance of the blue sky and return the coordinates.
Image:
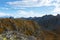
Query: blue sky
(29, 8)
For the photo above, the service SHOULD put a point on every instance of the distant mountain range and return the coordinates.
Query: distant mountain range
(43, 28)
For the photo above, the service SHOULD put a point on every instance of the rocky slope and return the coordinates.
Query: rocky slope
(41, 28)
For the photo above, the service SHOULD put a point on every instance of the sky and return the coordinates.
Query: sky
(29, 8)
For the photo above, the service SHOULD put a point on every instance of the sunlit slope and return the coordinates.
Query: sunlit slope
(27, 27)
(47, 31)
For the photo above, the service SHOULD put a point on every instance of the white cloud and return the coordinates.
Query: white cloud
(35, 3)
(4, 14)
(22, 13)
(30, 3)
(57, 7)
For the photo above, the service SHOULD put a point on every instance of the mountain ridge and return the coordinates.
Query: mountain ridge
(43, 28)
